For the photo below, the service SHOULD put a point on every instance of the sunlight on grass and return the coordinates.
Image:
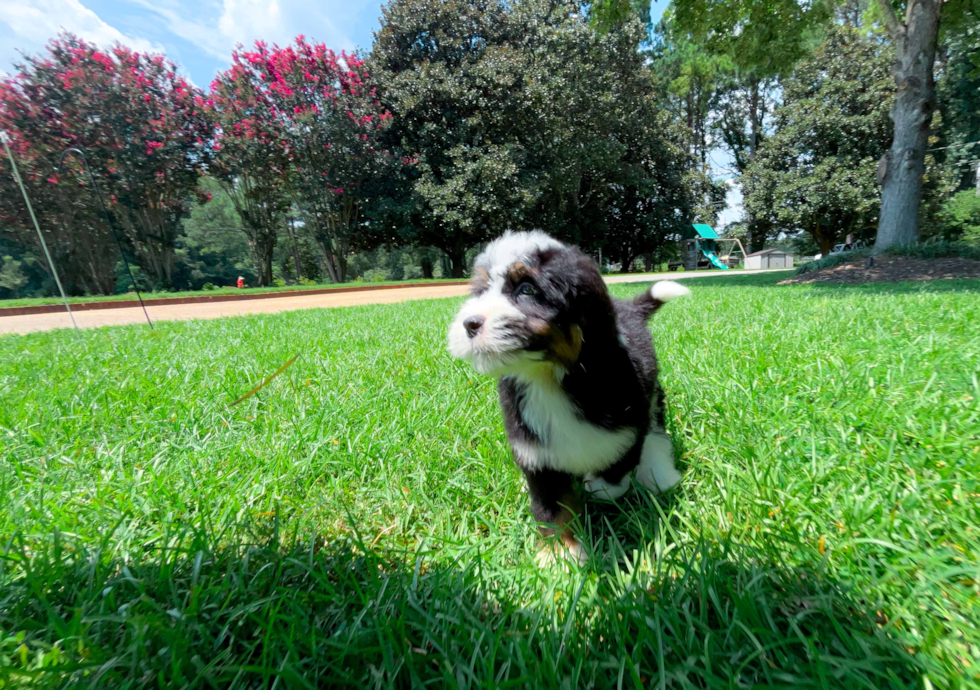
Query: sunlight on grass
(359, 520)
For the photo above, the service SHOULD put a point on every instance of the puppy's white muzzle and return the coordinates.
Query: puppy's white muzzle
(487, 332)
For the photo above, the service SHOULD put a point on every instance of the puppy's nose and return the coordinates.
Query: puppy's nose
(473, 324)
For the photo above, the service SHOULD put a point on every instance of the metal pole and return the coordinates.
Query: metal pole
(112, 226)
(30, 209)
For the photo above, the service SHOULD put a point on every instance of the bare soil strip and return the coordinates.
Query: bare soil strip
(300, 299)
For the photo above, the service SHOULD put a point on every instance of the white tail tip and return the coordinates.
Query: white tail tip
(667, 290)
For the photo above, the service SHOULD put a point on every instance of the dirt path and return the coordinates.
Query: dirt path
(214, 310)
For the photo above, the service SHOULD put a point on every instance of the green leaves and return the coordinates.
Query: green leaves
(764, 38)
(526, 115)
(816, 173)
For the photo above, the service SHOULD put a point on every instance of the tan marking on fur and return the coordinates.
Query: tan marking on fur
(569, 546)
(519, 270)
(480, 280)
(539, 327)
(564, 350)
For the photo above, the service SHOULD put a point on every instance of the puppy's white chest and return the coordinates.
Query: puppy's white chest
(567, 442)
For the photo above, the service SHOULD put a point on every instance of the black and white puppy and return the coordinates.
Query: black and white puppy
(577, 375)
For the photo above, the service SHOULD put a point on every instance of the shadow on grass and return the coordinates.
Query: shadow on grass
(316, 615)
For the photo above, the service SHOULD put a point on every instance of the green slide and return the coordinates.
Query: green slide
(713, 258)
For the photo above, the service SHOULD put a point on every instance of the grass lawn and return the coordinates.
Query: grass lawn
(358, 522)
(31, 301)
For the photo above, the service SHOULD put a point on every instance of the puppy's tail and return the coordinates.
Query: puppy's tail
(658, 295)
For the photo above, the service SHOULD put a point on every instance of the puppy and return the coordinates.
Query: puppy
(577, 376)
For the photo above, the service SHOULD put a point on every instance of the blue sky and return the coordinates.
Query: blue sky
(199, 34)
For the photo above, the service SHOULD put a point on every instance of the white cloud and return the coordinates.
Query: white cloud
(33, 22)
(280, 21)
(197, 32)
(217, 28)
(242, 20)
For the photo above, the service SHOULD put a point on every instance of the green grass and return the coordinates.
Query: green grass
(31, 301)
(358, 522)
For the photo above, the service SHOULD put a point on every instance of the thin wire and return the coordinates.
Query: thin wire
(30, 209)
(112, 226)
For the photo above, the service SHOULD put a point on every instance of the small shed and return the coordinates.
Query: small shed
(769, 258)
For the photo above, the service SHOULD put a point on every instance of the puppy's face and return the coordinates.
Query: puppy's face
(527, 306)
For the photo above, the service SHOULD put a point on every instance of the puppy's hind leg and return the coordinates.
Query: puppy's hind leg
(656, 470)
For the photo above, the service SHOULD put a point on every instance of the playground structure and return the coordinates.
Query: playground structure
(702, 248)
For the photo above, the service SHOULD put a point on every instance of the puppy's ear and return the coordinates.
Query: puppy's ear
(575, 276)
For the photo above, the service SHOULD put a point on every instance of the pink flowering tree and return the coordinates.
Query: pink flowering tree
(327, 123)
(250, 160)
(145, 137)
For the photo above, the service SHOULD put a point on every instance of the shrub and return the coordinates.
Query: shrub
(375, 275)
(923, 250)
(209, 286)
(832, 260)
(962, 214)
(939, 250)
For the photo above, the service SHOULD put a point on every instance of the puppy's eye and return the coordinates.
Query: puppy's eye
(526, 289)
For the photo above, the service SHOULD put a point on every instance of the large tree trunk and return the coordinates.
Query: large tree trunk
(292, 238)
(756, 233)
(264, 247)
(267, 268)
(824, 240)
(755, 119)
(328, 262)
(900, 169)
(457, 255)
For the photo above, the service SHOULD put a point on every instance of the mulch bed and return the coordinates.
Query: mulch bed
(890, 269)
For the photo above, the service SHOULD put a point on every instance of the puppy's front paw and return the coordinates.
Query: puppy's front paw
(599, 488)
(560, 554)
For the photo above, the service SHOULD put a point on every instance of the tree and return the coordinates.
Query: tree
(651, 204)
(690, 78)
(916, 38)
(137, 123)
(764, 35)
(816, 172)
(612, 178)
(763, 40)
(527, 114)
(452, 72)
(251, 158)
(330, 122)
(957, 144)
(81, 247)
(212, 247)
(689, 82)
